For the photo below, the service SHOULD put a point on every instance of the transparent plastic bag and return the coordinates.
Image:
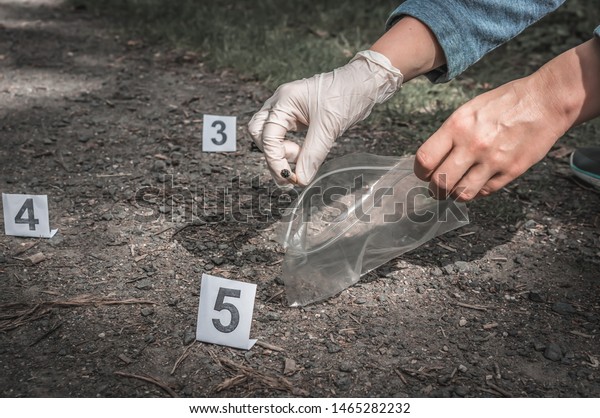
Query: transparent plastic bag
(361, 211)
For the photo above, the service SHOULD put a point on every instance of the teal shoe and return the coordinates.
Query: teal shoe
(585, 163)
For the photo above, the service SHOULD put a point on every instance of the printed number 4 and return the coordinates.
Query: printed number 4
(221, 305)
(30, 220)
(220, 131)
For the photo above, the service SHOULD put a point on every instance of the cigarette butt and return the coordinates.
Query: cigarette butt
(289, 176)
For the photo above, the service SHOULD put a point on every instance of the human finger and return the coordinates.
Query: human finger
(451, 170)
(471, 184)
(316, 146)
(278, 152)
(432, 153)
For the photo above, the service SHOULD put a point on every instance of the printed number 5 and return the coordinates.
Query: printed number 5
(220, 131)
(220, 305)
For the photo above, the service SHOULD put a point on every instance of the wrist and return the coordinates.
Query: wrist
(569, 84)
(411, 47)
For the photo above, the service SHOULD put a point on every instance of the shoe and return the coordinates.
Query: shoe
(585, 163)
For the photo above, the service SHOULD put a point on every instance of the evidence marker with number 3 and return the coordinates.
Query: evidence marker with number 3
(225, 312)
(218, 133)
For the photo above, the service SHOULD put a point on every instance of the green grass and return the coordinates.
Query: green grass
(274, 42)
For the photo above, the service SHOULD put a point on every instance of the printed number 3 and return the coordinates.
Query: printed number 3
(30, 220)
(220, 131)
(220, 305)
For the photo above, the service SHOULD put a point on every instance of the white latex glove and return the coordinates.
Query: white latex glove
(327, 104)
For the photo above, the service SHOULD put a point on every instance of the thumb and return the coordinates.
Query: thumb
(317, 144)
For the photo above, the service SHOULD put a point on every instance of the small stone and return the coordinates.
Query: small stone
(535, 296)
(279, 280)
(563, 308)
(449, 269)
(436, 272)
(189, 336)
(478, 249)
(289, 367)
(381, 298)
(149, 339)
(360, 301)
(107, 216)
(144, 284)
(462, 266)
(444, 380)
(461, 391)
(530, 224)
(346, 367)
(333, 348)
(553, 352)
(36, 258)
(56, 240)
(420, 289)
(125, 359)
(539, 346)
(159, 165)
(62, 352)
(343, 382)
(217, 261)
(462, 322)
(205, 169)
(273, 316)
(462, 368)
(102, 335)
(147, 311)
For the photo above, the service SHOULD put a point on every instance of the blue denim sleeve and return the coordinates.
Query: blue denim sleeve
(469, 29)
(597, 32)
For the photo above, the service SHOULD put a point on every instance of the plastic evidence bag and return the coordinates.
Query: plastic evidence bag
(359, 212)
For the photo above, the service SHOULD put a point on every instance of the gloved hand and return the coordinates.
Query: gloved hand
(327, 104)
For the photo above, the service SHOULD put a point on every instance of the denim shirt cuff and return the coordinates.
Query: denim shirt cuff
(597, 32)
(467, 30)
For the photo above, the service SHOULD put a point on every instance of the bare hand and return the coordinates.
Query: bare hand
(490, 140)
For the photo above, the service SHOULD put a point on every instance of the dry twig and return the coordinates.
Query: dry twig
(401, 376)
(476, 307)
(13, 315)
(152, 380)
(54, 328)
(269, 346)
(244, 373)
(186, 353)
(498, 389)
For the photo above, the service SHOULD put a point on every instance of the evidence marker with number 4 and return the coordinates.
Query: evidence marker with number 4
(289, 176)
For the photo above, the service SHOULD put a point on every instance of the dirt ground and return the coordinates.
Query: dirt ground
(110, 129)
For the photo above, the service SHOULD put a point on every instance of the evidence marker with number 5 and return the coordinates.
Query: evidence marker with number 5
(225, 312)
